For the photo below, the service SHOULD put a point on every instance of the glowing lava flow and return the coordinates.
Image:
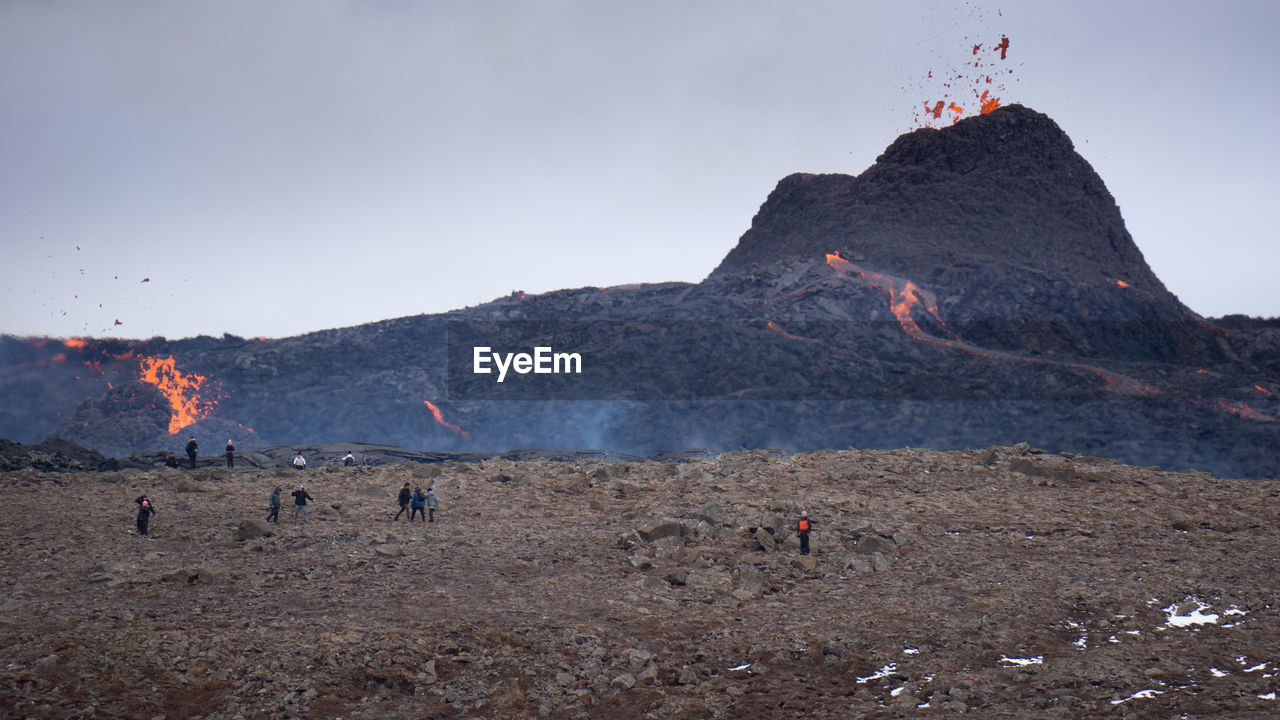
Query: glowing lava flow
(905, 297)
(182, 391)
(439, 417)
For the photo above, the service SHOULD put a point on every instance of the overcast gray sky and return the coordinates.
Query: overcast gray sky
(272, 168)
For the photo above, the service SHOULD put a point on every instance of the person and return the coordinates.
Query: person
(300, 498)
(145, 511)
(349, 459)
(299, 463)
(273, 504)
(192, 447)
(418, 505)
(171, 460)
(432, 504)
(405, 496)
(231, 453)
(802, 529)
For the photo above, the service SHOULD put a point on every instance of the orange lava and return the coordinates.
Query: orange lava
(1122, 283)
(904, 295)
(971, 74)
(183, 391)
(77, 343)
(988, 104)
(435, 412)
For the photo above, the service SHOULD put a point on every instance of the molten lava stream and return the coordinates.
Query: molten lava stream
(183, 391)
(439, 418)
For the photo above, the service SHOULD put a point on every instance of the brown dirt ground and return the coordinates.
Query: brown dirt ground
(521, 602)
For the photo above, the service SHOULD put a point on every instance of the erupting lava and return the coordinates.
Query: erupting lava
(439, 417)
(182, 391)
(973, 82)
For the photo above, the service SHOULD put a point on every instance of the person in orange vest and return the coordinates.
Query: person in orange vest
(802, 529)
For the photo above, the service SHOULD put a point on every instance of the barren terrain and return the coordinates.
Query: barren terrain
(1002, 583)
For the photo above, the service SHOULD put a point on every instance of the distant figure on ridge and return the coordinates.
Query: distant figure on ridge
(418, 505)
(403, 498)
(192, 447)
(171, 460)
(299, 463)
(145, 511)
(300, 498)
(231, 453)
(349, 459)
(802, 529)
(273, 505)
(432, 504)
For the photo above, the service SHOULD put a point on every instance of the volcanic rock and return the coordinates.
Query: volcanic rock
(981, 289)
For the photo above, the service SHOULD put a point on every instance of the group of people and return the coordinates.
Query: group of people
(300, 499)
(193, 450)
(416, 502)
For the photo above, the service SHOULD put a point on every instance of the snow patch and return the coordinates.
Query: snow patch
(1195, 617)
(1022, 662)
(1140, 695)
(883, 672)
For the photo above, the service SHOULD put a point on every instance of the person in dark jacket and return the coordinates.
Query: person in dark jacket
(231, 453)
(273, 505)
(300, 498)
(432, 504)
(405, 496)
(145, 511)
(171, 460)
(418, 505)
(192, 448)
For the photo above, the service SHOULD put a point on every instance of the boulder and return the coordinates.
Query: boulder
(661, 528)
(808, 563)
(625, 681)
(868, 544)
(1178, 520)
(254, 528)
(764, 540)
(712, 513)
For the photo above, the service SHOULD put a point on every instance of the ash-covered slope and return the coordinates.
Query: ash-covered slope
(976, 286)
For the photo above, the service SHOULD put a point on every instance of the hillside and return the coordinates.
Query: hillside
(976, 285)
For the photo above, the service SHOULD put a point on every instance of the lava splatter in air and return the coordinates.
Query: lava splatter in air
(970, 85)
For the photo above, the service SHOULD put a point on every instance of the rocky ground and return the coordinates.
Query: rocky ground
(1001, 583)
